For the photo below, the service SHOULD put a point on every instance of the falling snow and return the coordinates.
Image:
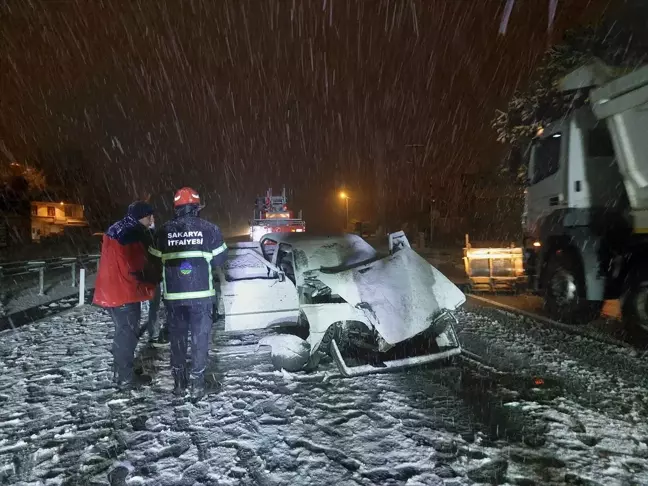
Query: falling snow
(404, 105)
(233, 97)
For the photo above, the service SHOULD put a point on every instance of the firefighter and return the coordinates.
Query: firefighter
(190, 248)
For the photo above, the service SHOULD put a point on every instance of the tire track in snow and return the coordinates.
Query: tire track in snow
(593, 372)
(428, 426)
(577, 330)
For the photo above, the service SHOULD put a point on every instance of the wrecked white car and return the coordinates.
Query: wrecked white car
(338, 296)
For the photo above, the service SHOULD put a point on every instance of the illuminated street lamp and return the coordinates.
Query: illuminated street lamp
(345, 196)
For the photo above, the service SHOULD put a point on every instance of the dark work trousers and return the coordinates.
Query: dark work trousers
(126, 319)
(153, 324)
(198, 318)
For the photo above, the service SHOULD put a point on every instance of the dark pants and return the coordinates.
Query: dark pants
(198, 318)
(153, 325)
(126, 319)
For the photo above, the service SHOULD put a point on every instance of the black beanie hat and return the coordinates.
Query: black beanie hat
(140, 209)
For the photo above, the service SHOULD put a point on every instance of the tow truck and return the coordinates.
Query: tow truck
(271, 215)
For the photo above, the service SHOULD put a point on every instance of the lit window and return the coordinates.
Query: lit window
(51, 211)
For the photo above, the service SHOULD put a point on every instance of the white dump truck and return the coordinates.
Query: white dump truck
(586, 209)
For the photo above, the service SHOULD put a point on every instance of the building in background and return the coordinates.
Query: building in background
(54, 219)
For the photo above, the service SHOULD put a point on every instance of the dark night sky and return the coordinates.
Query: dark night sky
(232, 97)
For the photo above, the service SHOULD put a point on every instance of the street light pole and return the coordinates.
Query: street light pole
(345, 196)
(346, 221)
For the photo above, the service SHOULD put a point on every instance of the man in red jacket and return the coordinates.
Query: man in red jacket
(124, 281)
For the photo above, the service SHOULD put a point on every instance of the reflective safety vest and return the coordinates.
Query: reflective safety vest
(189, 248)
(185, 258)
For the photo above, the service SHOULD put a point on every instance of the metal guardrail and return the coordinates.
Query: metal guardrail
(32, 267)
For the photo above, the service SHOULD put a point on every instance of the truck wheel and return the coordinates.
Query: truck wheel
(564, 289)
(634, 308)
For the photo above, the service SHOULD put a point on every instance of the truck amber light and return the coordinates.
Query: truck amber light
(537, 244)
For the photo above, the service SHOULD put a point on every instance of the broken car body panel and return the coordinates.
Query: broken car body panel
(321, 316)
(401, 295)
(301, 279)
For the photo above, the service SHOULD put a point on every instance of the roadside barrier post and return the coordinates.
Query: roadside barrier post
(41, 281)
(2, 294)
(82, 287)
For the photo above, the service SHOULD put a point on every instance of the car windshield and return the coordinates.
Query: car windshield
(332, 252)
(244, 264)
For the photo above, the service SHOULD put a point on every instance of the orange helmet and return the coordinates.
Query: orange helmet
(186, 195)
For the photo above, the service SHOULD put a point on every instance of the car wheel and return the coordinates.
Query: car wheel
(338, 332)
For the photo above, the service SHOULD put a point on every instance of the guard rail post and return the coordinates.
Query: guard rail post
(41, 281)
(2, 294)
(73, 274)
(82, 287)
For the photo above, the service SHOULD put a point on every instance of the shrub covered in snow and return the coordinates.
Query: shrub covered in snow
(539, 103)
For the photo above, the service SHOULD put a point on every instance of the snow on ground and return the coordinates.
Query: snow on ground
(596, 422)
(56, 287)
(611, 378)
(61, 422)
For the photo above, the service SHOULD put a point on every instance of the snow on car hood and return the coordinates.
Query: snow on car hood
(331, 252)
(401, 294)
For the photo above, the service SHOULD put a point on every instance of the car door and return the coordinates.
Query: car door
(284, 261)
(398, 241)
(254, 293)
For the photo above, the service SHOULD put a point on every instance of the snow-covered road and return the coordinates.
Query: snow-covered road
(61, 422)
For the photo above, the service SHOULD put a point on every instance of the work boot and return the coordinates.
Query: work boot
(197, 388)
(138, 380)
(120, 383)
(141, 379)
(180, 382)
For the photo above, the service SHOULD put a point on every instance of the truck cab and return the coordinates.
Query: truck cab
(585, 211)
